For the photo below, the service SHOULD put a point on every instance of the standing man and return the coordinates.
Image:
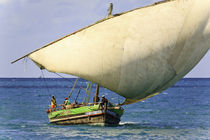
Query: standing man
(53, 103)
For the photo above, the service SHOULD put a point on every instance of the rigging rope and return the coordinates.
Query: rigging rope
(89, 91)
(77, 95)
(63, 77)
(73, 88)
(45, 81)
(25, 63)
(80, 88)
(68, 79)
(86, 92)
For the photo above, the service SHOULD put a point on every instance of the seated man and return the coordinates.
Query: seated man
(103, 103)
(66, 102)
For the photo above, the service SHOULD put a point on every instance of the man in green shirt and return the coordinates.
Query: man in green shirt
(66, 102)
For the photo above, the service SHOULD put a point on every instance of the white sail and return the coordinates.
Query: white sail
(136, 54)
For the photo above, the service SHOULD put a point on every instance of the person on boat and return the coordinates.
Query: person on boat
(53, 103)
(66, 102)
(103, 103)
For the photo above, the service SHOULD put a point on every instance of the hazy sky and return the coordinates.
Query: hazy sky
(26, 25)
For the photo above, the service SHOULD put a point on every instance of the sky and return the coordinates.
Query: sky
(26, 25)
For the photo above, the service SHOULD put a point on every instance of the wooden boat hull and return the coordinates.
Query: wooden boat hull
(87, 115)
(99, 117)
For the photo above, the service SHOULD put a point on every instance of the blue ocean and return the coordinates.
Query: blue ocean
(181, 112)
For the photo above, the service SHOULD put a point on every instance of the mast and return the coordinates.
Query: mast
(96, 97)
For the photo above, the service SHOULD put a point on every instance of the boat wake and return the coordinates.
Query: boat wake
(128, 123)
(137, 125)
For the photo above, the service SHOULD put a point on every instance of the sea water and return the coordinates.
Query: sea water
(180, 112)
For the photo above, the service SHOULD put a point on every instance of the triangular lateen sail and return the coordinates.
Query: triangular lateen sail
(136, 54)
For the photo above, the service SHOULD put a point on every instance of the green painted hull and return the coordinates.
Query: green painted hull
(86, 115)
(74, 111)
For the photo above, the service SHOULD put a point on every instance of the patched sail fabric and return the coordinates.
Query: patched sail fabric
(138, 53)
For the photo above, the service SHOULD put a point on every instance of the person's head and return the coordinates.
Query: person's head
(103, 96)
(66, 98)
(53, 96)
